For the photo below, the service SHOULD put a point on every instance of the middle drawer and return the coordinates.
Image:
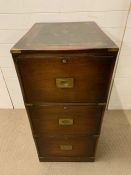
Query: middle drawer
(70, 119)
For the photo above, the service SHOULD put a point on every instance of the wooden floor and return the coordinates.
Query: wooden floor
(18, 154)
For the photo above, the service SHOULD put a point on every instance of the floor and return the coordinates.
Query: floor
(18, 154)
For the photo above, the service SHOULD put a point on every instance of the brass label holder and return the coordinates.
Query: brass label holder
(65, 121)
(66, 147)
(64, 82)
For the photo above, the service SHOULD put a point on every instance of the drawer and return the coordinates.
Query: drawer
(57, 120)
(65, 79)
(79, 146)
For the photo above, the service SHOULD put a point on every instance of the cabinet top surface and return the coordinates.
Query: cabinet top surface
(64, 36)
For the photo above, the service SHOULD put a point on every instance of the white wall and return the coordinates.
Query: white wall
(17, 16)
(121, 92)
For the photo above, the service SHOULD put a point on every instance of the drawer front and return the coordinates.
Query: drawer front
(71, 79)
(84, 146)
(57, 120)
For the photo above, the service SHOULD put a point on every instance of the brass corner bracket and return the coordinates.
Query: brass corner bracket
(15, 50)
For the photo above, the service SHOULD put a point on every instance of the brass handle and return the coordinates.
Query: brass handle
(64, 82)
(65, 121)
(66, 147)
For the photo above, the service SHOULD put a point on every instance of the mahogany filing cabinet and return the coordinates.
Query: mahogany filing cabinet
(65, 71)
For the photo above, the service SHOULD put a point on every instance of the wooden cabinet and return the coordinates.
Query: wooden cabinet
(65, 71)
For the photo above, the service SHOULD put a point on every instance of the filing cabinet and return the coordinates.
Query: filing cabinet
(65, 71)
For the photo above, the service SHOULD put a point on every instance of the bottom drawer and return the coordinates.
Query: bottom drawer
(73, 146)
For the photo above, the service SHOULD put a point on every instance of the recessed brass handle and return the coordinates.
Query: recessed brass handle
(65, 121)
(66, 147)
(64, 82)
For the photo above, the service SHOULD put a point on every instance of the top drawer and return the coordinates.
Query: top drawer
(65, 78)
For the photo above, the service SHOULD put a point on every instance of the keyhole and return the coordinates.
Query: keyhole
(64, 61)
